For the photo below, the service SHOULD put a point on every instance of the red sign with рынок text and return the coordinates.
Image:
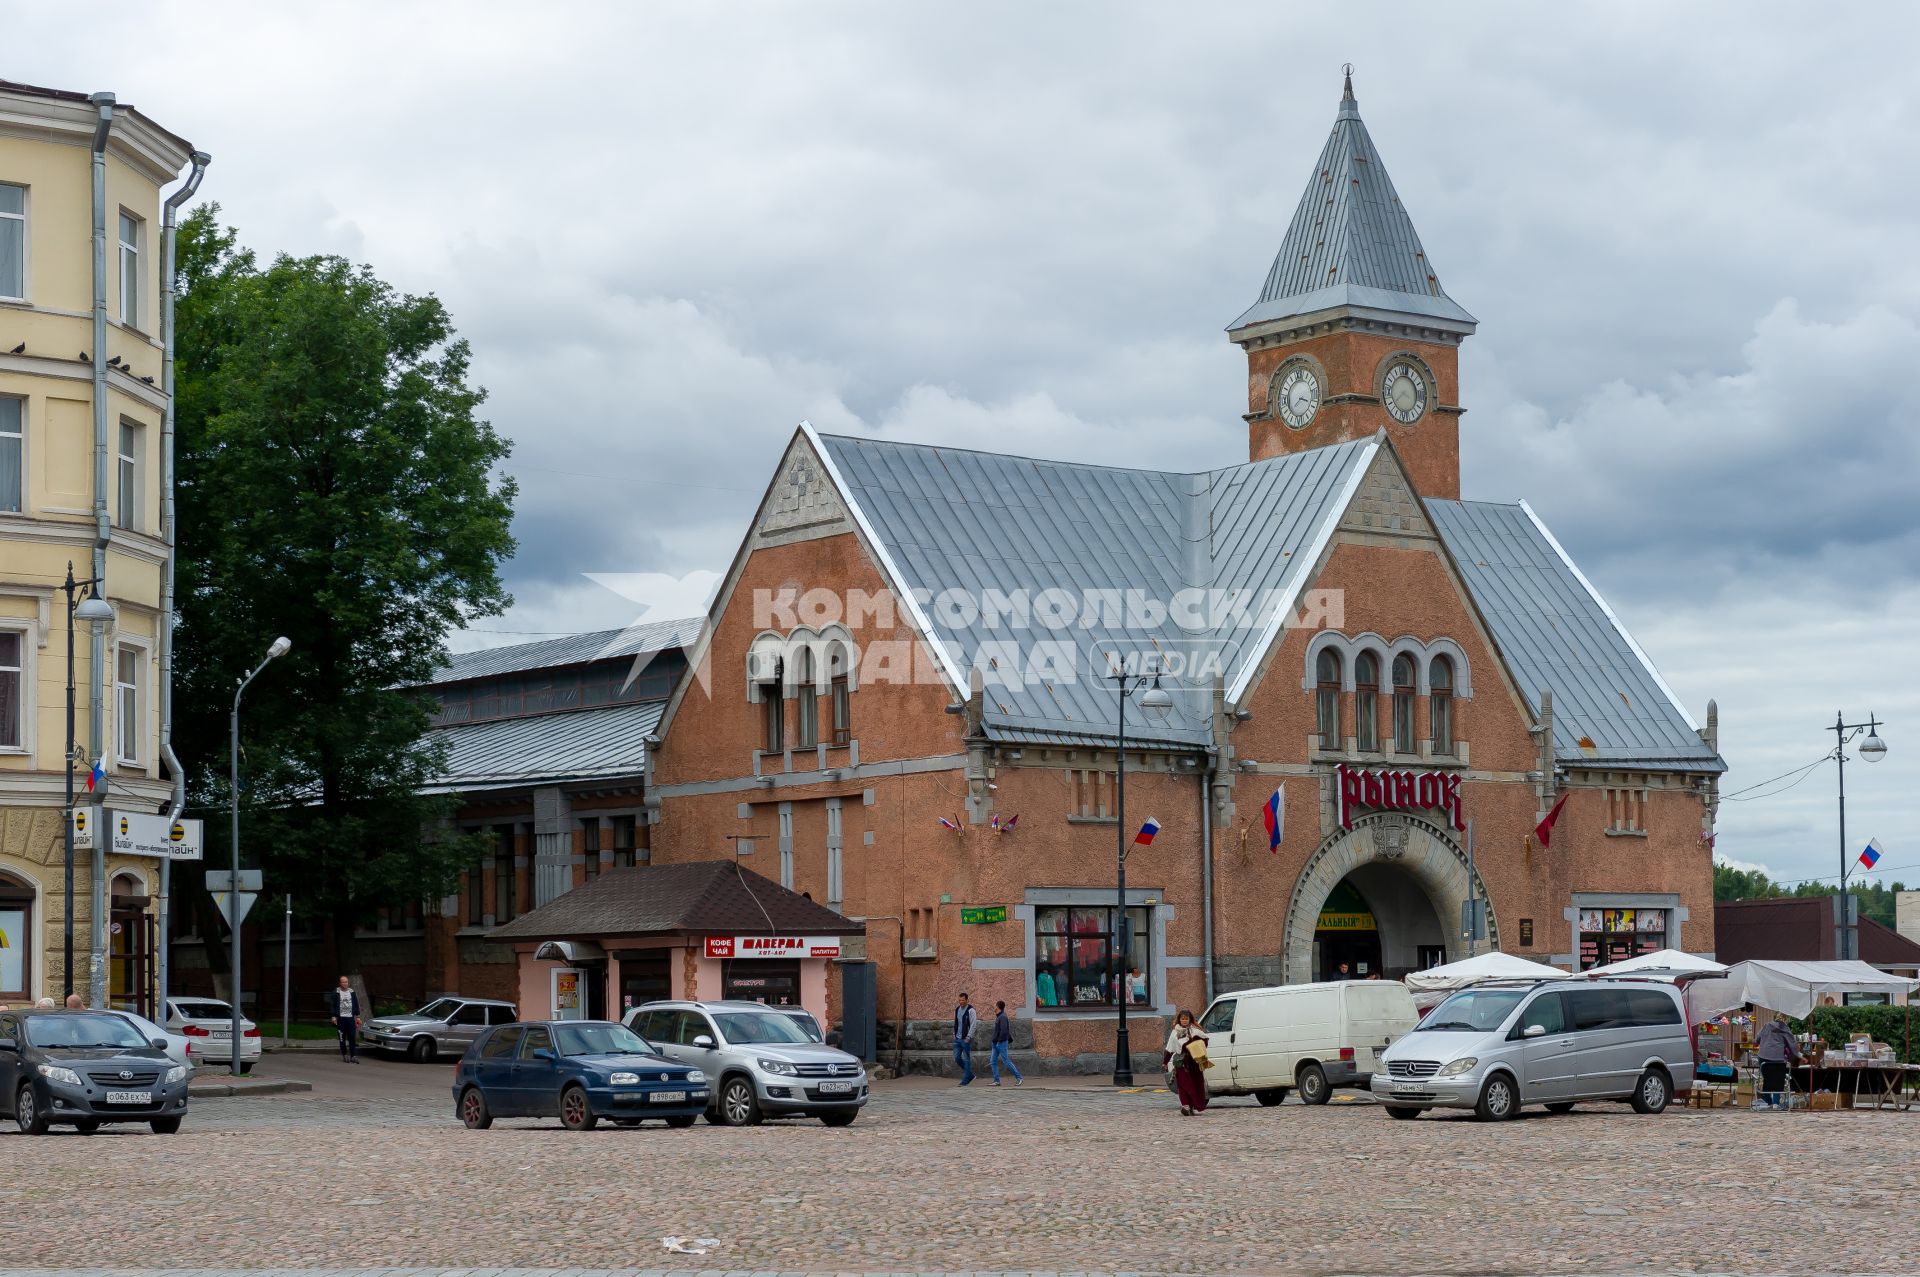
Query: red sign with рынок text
(773, 946)
(1398, 791)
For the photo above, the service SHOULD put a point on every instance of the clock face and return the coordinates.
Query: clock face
(1404, 391)
(1299, 396)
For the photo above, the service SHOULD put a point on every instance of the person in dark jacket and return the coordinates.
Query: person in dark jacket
(1776, 1048)
(963, 1022)
(343, 1006)
(1003, 1046)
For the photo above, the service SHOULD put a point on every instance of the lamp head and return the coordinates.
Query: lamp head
(280, 647)
(1873, 749)
(1156, 703)
(93, 608)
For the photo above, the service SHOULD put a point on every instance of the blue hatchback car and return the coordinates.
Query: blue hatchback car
(576, 1070)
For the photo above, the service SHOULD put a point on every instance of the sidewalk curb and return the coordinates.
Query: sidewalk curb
(244, 1088)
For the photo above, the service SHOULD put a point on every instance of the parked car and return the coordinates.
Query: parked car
(209, 1023)
(179, 1045)
(445, 1026)
(577, 1070)
(83, 1068)
(1305, 1037)
(762, 1063)
(1494, 1048)
(803, 1019)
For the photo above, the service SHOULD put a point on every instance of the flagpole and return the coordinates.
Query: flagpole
(1871, 749)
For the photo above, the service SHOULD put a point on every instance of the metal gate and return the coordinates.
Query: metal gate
(859, 1008)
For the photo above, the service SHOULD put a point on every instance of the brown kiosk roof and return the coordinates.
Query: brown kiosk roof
(695, 898)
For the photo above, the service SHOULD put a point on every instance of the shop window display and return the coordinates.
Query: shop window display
(1611, 935)
(1074, 962)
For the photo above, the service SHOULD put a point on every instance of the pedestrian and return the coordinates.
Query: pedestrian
(74, 1003)
(1775, 1047)
(1136, 985)
(1003, 1046)
(963, 1024)
(1188, 1074)
(344, 1006)
(45, 1004)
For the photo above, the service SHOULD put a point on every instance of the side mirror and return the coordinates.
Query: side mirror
(1534, 1031)
(159, 1044)
(542, 1053)
(704, 1042)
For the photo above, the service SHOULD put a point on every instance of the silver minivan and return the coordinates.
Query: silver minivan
(1496, 1047)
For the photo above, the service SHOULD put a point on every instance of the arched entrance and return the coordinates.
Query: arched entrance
(19, 937)
(1408, 869)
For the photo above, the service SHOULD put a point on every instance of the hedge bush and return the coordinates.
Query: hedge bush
(1886, 1024)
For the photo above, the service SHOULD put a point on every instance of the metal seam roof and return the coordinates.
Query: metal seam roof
(605, 741)
(574, 649)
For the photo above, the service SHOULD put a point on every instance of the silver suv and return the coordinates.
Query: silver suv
(762, 1063)
(445, 1026)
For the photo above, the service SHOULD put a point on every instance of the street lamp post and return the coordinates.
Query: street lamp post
(1155, 703)
(1872, 750)
(92, 609)
(279, 648)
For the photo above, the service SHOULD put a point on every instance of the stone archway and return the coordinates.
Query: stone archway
(1424, 850)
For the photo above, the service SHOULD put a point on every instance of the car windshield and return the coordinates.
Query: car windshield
(759, 1026)
(1472, 1010)
(438, 1009)
(82, 1031)
(204, 1010)
(805, 1022)
(599, 1039)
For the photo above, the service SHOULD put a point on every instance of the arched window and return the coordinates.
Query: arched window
(773, 694)
(838, 659)
(1327, 699)
(1440, 688)
(1366, 702)
(1403, 693)
(808, 719)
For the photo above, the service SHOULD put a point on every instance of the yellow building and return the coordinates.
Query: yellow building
(86, 480)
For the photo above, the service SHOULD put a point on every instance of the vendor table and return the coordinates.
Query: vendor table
(1885, 1084)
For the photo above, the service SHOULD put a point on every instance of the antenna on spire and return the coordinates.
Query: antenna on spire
(1346, 69)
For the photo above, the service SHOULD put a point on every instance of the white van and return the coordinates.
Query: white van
(1314, 1037)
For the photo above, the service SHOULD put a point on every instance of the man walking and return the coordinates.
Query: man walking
(344, 1005)
(963, 1022)
(1003, 1046)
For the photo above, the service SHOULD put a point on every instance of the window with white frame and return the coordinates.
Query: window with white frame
(13, 242)
(132, 449)
(129, 664)
(786, 845)
(13, 689)
(13, 455)
(807, 704)
(130, 229)
(836, 891)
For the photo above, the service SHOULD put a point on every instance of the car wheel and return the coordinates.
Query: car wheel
(1498, 1101)
(422, 1050)
(576, 1114)
(474, 1111)
(1271, 1096)
(739, 1106)
(1654, 1092)
(1402, 1112)
(1560, 1106)
(86, 1128)
(839, 1119)
(27, 1113)
(165, 1125)
(679, 1123)
(1312, 1080)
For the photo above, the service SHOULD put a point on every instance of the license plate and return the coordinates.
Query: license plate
(129, 1097)
(1410, 1086)
(836, 1087)
(668, 1097)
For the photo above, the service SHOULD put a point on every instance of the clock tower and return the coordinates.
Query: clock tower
(1352, 332)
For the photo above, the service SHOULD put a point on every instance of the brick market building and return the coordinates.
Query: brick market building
(900, 704)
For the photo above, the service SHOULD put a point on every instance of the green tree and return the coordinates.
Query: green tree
(334, 486)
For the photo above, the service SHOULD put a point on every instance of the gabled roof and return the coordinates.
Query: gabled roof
(977, 522)
(603, 743)
(1555, 631)
(1351, 243)
(574, 649)
(698, 897)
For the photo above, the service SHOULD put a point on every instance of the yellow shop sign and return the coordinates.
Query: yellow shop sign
(1346, 922)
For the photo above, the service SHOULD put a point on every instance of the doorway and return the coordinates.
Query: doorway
(130, 948)
(646, 975)
(1380, 922)
(774, 982)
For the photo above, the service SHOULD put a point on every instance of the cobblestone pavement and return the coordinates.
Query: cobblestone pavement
(372, 1171)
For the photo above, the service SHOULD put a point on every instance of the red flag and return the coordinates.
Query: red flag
(1544, 830)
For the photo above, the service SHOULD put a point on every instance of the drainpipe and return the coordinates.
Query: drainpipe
(102, 533)
(1206, 869)
(169, 230)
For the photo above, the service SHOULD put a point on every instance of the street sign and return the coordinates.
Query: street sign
(985, 914)
(81, 818)
(222, 880)
(138, 834)
(232, 903)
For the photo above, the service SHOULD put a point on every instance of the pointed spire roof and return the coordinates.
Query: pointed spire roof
(1351, 243)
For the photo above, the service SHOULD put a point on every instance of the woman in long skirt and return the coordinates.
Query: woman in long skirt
(1189, 1079)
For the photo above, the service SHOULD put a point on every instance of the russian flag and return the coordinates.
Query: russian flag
(1871, 856)
(1274, 813)
(1145, 837)
(948, 823)
(98, 774)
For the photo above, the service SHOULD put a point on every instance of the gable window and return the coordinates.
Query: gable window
(126, 694)
(808, 725)
(1403, 692)
(13, 687)
(842, 698)
(13, 242)
(13, 445)
(127, 513)
(1366, 702)
(1440, 694)
(774, 705)
(1327, 699)
(129, 270)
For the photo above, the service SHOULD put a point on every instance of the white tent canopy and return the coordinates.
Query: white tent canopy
(1790, 988)
(1431, 985)
(1667, 962)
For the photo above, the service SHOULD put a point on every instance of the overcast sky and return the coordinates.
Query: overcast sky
(673, 231)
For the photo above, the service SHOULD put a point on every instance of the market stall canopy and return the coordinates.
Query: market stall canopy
(1666, 964)
(1441, 980)
(1790, 988)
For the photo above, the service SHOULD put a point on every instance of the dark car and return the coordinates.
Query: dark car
(577, 1070)
(82, 1068)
